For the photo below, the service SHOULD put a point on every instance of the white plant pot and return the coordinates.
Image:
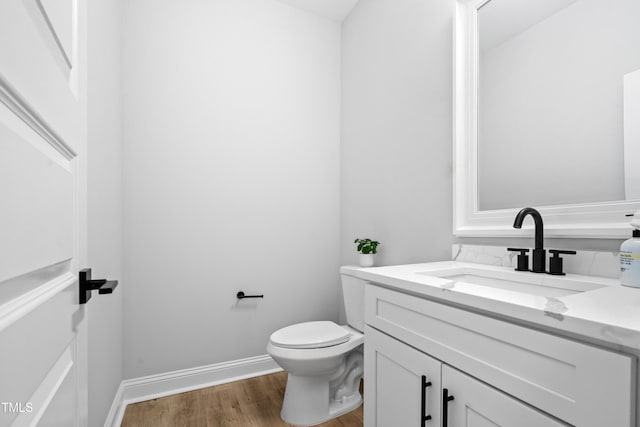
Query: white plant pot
(365, 260)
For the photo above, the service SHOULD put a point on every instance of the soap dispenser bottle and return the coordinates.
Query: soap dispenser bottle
(630, 256)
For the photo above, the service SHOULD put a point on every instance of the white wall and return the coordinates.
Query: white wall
(231, 130)
(104, 148)
(396, 129)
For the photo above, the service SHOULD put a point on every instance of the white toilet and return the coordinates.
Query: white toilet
(324, 361)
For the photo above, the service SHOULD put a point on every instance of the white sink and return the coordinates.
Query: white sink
(540, 284)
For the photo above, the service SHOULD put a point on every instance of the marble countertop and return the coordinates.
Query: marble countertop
(607, 313)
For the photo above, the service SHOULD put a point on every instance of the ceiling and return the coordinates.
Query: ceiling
(336, 10)
(500, 20)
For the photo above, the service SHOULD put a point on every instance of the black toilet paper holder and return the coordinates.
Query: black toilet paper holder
(241, 295)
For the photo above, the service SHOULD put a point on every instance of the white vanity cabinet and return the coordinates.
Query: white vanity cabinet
(499, 373)
(407, 388)
(402, 384)
(476, 404)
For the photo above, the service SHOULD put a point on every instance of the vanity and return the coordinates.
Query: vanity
(461, 344)
(537, 123)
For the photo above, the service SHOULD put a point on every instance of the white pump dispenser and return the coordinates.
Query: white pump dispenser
(630, 256)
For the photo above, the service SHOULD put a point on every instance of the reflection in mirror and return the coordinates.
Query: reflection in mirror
(558, 102)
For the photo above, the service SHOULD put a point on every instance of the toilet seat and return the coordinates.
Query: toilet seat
(309, 335)
(356, 338)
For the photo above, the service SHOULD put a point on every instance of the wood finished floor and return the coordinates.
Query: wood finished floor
(254, 402)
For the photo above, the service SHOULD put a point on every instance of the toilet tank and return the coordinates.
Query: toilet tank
(353, 295)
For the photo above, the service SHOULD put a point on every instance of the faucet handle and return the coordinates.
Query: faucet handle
(523, 258)
(555, 262)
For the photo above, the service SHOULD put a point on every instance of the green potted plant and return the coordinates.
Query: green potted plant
(367, 249)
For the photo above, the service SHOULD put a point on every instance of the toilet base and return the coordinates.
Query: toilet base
(312, 406)
(323, 383)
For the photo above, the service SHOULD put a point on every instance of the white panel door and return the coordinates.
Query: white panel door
(402, 386)
(42, 213)
(475, 404)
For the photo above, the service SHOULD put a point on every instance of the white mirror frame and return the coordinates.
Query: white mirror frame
(590, 220)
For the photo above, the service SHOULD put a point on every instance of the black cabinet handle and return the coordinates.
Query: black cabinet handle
(445, 406)
(424, 417)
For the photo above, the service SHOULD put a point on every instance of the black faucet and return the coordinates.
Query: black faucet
(539, 254)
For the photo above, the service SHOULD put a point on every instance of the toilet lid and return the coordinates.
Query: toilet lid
(310, 335)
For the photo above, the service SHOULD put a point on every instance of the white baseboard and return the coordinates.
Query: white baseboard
(116, 412)
(155, 386)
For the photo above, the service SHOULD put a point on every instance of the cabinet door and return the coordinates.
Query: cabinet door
(402, 385)
(476, 404)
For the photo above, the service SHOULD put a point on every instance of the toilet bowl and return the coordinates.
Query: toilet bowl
(324, 361)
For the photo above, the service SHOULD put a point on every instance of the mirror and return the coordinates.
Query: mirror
(547, 115)
(550, 101)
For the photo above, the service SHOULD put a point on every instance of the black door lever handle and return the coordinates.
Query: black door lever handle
(87, 284)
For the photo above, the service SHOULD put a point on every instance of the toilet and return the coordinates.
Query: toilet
(324, 361)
